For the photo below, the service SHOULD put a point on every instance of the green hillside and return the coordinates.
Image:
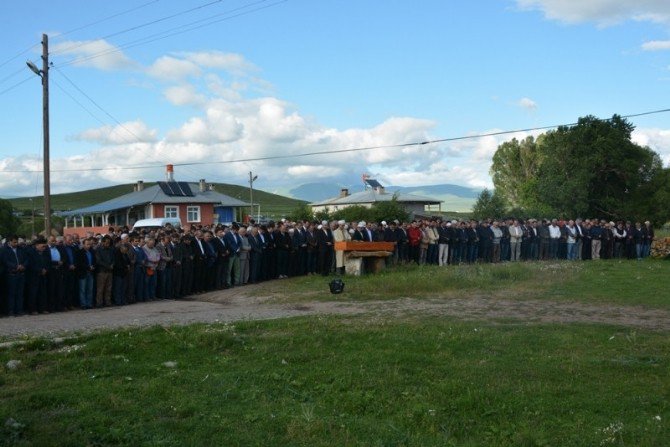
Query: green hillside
(272, 205)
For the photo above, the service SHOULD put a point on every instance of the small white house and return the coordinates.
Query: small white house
(373, 193)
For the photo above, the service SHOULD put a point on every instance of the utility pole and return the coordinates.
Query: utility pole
(45, 114)
(44, 74)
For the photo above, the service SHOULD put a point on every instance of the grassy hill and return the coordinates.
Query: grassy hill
(272, 205)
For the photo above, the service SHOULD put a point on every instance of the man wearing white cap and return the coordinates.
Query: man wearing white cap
(340, 234)
(358, 234)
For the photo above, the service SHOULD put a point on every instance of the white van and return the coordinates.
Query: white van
(155, 223)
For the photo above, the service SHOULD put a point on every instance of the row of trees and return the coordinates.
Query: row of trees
(591, 169)
(379, 211)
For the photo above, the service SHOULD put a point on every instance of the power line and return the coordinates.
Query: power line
(149, 155)
(8, 89)
(78, 29)
(21, 53)
(79, 103)
(143, 25)
(105, 19)
(173, 31)
(9, 76)
(340, 151)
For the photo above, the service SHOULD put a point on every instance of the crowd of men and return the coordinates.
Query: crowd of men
(124, 267)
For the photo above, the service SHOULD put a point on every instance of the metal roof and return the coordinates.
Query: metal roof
(154, 194)
(373, 195)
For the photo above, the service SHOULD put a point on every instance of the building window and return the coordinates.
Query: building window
(171, 211)
(193, 214)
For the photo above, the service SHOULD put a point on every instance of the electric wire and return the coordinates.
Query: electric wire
(173, 31)
(340, 151)
(121, 125)
(77, 29)
(10, 76)
(12, 87)
(105, 19)
(136, 27)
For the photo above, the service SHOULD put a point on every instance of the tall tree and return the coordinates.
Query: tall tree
(8, 222)
(488, 205)
(514, 170)
(591, 169)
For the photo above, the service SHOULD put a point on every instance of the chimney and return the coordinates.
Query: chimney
(210, 187)
(344, 192)
(139, 186)
(169, 173)
(203, 185)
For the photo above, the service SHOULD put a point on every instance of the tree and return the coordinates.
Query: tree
(302, 212)
(591, 169)
(9, 223)
(322, 215)
(488, 205)
(388, 211)
(353, 213)
(652, 199)
(514, 170)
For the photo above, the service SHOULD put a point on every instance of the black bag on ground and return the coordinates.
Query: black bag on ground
(336, 286)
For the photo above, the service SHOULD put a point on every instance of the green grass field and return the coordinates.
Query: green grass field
(414, 379)
(615, 282)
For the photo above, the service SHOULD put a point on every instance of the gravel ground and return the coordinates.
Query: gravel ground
(241, 304)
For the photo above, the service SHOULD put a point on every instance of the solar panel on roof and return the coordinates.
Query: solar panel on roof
(176, 189)
(373, 183)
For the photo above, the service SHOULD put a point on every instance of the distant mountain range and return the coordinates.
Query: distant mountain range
(454, 197)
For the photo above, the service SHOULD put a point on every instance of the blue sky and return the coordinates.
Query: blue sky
(304, 76)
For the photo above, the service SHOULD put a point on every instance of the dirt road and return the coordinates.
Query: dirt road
(241, 304)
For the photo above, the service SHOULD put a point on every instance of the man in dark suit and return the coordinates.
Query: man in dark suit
(70, 279)
(270, 258)
(255, 254)
(233, 242)
(324, 240)
(360, 234)
(199, 262)
(39, 265)
(56, 276)
(222, 254)
(14, 261)
(210, 261)
(85, 263)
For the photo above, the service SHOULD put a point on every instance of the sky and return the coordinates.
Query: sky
(212, 86)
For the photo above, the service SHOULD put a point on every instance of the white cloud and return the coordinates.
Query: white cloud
(230, 62)
(228, 123)
(124, 133)
(527, 104)
(98, 54)
(603, 12)
(183, 95)
(656, 45)
(657, 139)
(169, 68)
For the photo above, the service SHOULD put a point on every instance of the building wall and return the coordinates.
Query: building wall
(333, 208)
(206, 212)
(412, 208)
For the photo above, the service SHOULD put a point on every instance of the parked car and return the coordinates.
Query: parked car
(157, 222)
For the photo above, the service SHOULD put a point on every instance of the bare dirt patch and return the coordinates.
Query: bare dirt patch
(243, 304)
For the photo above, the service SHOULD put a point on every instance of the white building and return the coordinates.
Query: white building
(373, 193)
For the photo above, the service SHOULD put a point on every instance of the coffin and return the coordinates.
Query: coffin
(364, 246)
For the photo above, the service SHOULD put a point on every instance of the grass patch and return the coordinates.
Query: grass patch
(337, 381)
(614, 282)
